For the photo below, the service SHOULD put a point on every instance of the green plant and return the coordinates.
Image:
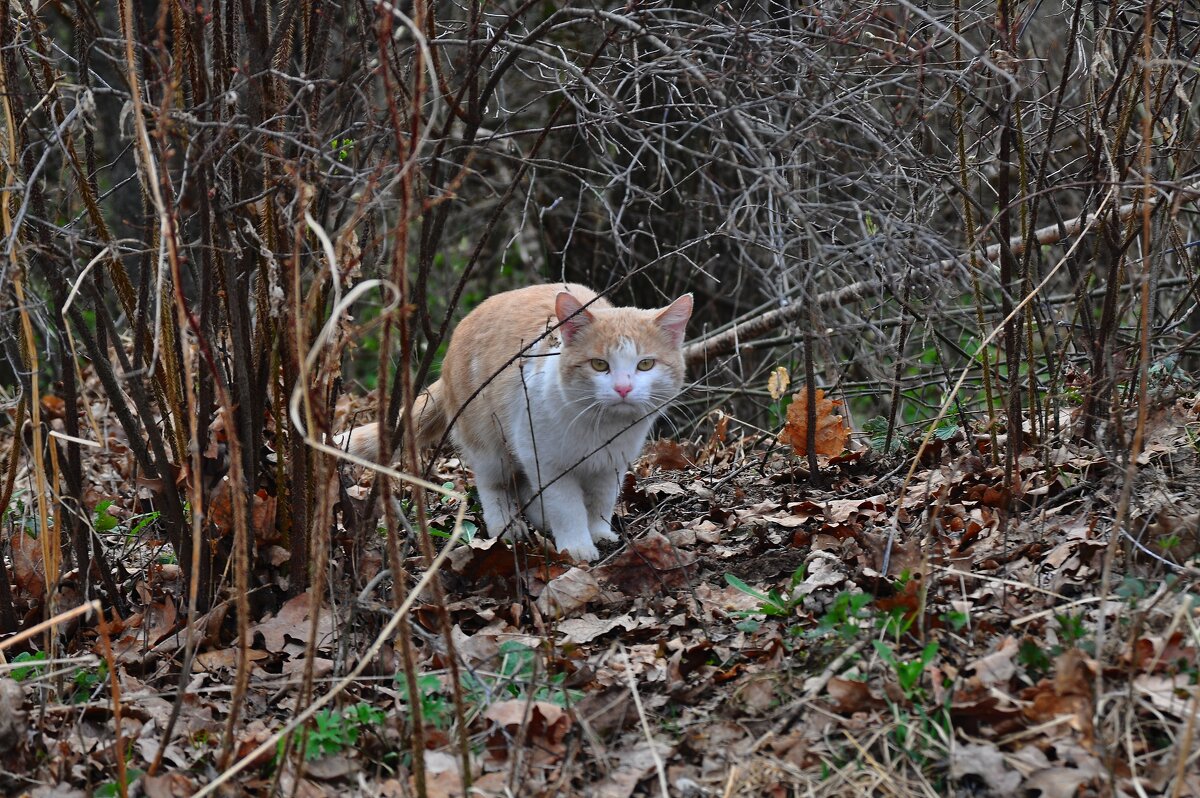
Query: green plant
(143, 521)
(847, 616)
(773, 603)
(518, 676)
(102, 519)
(908, 672)
(954, 619)
(436, 706)
(86, 680)
(1133, 589)
(777, 387)
(1033, 658)
(335, 731)
(342, 147)
(24, 672)
(924, 738)
(111, 789)
(469, 531)
(1071, 628)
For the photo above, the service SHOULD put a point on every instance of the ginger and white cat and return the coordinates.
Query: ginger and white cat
(567, 416)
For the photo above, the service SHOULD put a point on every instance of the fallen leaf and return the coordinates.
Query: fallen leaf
(27, 564)
(578, 631)
(997, 667)
(1055, 782)
(567, 594)
(167, 785)
(12, 715)
(227, 658)
(667, 455)
(1174, 695)
(850, 696)
(758, 694)
(293, 622)
(539, 722)
(53, 407)
(648, 566)
(985, 762)
(631, 767)
(1068, 698)
(832, 434)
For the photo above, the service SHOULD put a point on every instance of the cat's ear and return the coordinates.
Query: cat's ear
(674, 317)
(571, 315)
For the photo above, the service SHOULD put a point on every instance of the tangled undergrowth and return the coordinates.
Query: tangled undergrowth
(757, 632)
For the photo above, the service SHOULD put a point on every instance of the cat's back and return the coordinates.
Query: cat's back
(501, 325)
(496, 331)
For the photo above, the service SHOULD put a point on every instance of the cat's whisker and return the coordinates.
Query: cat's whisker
(594, 403)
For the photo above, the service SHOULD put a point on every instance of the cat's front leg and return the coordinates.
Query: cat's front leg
(496, 484)
(600, 497)
(532, 505)
(567, 515)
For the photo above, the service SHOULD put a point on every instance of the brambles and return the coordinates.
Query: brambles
(232, 229)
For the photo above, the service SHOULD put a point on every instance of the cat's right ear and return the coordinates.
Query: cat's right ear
(571, 315)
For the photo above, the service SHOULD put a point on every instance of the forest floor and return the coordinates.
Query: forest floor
(755, 633)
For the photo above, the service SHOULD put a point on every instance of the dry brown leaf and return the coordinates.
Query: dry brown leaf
(1068, 698)
(540, 722)
(1056, 782)
(167, 785)
(226, 658)
(631, 767)
(12, 715)
(292, 622)
(262, 518)
(667, 455)
(997, 667)
(832, 434)
(1153, 654)
(850, 696)
(648, 566)
(53, 407)
(758, 694)
(1174, 695)
(985, 762)
(567, 594)
(582, 630)
(27, 564)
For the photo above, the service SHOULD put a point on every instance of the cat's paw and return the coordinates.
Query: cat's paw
(516, 529)
(601, 532)
(579, 547)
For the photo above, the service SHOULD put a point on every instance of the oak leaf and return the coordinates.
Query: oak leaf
(832, 434)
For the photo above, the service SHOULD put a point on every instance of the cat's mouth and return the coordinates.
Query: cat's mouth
(625, 406)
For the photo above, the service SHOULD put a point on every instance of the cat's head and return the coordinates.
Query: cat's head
(622, 361)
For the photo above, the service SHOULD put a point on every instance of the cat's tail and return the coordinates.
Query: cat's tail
(431, 424)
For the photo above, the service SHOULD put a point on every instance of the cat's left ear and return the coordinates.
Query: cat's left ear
(572, 315)
(674, 317)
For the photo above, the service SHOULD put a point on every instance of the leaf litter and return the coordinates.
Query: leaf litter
(754, 634)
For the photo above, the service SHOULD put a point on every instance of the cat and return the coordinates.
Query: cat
(569, 412)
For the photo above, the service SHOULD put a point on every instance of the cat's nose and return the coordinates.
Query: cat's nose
(623, 389)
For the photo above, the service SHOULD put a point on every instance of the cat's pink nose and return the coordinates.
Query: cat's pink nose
(623, 389)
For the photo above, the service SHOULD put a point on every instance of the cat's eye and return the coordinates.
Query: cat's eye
(599, 365)
(645, 364)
